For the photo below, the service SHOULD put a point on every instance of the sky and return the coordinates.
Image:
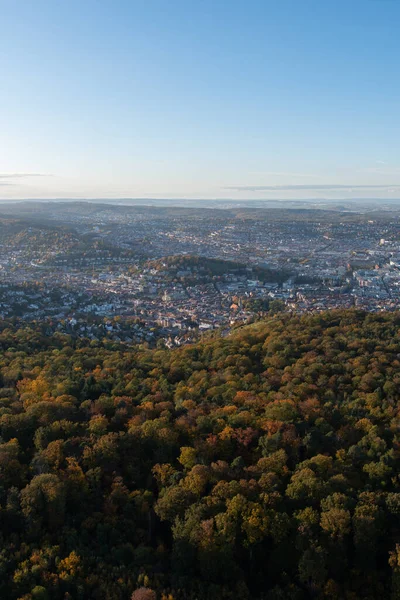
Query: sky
(200, 99)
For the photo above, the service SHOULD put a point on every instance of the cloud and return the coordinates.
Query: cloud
(382, 170)
(333, 187)
(285, 174)
(22, 175)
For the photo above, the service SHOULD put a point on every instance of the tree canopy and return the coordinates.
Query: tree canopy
(261, 465)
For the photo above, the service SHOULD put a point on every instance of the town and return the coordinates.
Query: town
(162, 275)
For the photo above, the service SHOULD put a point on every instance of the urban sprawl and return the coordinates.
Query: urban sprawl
(164, 274)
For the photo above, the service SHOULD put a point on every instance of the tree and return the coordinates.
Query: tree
(43, 501)
(143, 593)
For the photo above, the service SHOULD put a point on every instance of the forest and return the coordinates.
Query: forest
(263, 464)
(215, 267)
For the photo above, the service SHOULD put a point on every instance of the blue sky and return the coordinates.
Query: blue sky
(206, 99)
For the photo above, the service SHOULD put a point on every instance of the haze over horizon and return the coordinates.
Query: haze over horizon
(227, 101)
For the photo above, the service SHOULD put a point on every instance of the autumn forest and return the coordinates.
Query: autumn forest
(259, 465)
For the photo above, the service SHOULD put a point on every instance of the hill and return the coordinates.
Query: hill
(261, 465)
(198, 266)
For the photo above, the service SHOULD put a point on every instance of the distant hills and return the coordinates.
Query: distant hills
(338, 204)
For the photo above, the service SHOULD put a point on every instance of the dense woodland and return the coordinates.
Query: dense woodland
(262, 465)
